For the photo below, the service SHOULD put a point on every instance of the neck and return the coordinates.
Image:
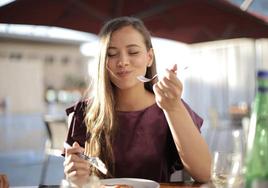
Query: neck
(133, 99)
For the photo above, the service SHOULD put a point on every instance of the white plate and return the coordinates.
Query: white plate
(135, 182)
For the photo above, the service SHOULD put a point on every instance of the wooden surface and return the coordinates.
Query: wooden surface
(162, 185)
(180, 185)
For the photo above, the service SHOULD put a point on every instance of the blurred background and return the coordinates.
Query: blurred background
(48, 49)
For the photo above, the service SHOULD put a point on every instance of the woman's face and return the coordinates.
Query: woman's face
(127, 57)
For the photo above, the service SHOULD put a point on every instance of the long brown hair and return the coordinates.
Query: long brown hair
(101, 114)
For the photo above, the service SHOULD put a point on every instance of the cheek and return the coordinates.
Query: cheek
(140, 62)
(110, 65)
(111, 69)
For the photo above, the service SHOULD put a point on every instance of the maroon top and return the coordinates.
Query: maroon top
(143, 147)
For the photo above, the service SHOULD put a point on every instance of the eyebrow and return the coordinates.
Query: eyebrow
(128, 46)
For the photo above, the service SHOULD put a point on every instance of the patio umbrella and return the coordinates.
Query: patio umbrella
(188, 21)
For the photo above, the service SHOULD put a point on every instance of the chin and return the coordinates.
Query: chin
(126, 85)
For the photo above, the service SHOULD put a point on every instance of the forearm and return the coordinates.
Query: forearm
(190, 144)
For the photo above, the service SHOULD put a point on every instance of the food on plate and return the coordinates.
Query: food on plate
(95, 182)
(117, 186)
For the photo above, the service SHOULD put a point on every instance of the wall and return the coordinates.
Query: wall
(28, 68)
(221, 74)
(22, 85)
(262, 53)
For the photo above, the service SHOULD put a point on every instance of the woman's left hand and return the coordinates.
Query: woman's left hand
(168, 90)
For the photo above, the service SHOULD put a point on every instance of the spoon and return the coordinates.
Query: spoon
(144, 79)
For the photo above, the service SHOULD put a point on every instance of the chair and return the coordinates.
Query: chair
(56, 127)
(180, 175)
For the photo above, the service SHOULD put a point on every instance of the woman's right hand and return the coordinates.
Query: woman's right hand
(76, 169)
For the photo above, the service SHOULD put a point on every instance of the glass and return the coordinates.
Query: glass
(227, 159)
(93, 182)
(66, 184)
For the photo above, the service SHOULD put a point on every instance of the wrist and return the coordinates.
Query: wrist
(176, 108)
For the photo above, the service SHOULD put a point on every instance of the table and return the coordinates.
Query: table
(180, 185)
(162, 185)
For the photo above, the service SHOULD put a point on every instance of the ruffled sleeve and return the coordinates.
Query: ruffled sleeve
(198, 121)
(77, 128)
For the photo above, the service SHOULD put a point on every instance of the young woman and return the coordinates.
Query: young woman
(139, 130)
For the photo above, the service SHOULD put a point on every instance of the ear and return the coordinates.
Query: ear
(150, 54)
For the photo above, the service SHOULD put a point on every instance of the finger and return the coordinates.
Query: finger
(159, 93)
(68, 168)
(76, 166)
(161, 89)
(171, 88)
(81, 168)
(74, 150)
(78, 178)
(72, 158)
(172, 77)
(71, 151)
(168, 84)
(174, 68)
(76, 145)
(77, 175)
(167, 89)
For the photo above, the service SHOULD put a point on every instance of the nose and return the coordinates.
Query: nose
(123, 60)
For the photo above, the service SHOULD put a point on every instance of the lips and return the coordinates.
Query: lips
(123, 73)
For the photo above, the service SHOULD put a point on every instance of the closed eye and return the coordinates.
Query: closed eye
(134, 53)
(112, 54)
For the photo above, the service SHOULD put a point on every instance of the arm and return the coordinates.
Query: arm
(191, 146)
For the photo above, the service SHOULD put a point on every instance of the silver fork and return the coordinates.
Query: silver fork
(95, 161)
(144, 79)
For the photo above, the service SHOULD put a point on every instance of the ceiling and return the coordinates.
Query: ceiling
(189, 21)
